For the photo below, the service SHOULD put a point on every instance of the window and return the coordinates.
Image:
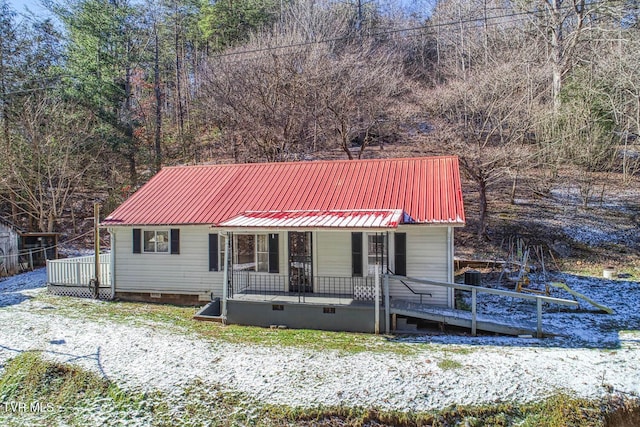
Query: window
(244, 253)
(156, 241)
(252, 252)
(376, 253)
(262, 253)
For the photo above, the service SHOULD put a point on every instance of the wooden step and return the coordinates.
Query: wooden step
(403, 325)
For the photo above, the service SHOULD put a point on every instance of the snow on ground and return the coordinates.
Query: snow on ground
(599, 352)
(586, 226)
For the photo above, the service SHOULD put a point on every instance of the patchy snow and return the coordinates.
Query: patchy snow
(594, 233)
(598, 353)
(587, 226)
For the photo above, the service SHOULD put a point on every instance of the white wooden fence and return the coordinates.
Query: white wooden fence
(74, 276)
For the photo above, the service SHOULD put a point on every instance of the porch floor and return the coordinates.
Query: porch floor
(307, 298)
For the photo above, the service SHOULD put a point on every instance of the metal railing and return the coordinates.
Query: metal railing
(414, 292)
(268, 285)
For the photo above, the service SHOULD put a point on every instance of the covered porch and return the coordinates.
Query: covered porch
(251, 286)
(306, 269)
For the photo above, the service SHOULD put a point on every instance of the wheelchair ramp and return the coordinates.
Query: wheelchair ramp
(461, 318)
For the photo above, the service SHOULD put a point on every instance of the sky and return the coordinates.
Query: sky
(33, 5)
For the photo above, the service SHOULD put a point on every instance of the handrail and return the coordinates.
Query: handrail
(475, 289)
(412, 291)
(512, 294)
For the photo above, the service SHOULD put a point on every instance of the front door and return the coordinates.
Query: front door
(300, 262)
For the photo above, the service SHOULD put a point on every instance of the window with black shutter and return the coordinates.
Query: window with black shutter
(175, 241)
(400, 254)
(137, 241)
(274, 260)
(213, 252)
(356, 254)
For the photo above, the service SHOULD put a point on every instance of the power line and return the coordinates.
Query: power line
(429, 26)
(47, 248)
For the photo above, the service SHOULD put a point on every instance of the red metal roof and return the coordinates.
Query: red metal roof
(427, 189)
(389, 218)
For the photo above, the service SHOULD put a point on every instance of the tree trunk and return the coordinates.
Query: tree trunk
(178, 82)
(131, 150)
(158, 93)
(482, 217)
(345, 141)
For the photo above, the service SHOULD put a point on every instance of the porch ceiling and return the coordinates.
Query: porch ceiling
(381, 218)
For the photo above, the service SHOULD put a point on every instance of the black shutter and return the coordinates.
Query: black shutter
(356, 254)
(137, 244)
(175, 241)
(401, 254)
(213, 252)
(274, 261)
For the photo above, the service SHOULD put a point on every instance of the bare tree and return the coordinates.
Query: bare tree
(311, 94)
(486, 117)
(358, 91)
(48, 159)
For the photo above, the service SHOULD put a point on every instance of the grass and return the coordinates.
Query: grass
(75, 397)
(55, 393)
(629, 270)
(179, 319)
(448, 364)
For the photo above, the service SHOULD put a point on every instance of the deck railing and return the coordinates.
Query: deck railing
(74, 276)
(475, 290)
(269, 285)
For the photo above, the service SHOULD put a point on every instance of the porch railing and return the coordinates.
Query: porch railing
(74, 276)
(269, 285)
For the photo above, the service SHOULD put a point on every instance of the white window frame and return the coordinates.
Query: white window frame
(258, 252)
(256, 236)
(155, 243)
(385, 253)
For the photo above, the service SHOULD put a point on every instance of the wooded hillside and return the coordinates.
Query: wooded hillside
(97, 100)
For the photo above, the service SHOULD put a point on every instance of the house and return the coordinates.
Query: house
(297, 244)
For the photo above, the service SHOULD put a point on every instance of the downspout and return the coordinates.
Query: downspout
(225, 277)
(112, 263)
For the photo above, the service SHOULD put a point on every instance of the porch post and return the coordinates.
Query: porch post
(377, 297)
(225, 278)
(387, 311)
(112, 263)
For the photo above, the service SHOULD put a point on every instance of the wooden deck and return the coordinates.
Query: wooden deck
(461, 318)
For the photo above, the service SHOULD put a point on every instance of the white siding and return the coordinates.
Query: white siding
(333, 256)
(188, 272)
(184, 273)
(332, 260)
(427, 258)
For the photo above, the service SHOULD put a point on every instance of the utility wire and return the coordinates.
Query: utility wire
(43, 249)
(512, 17)
(429, 26)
